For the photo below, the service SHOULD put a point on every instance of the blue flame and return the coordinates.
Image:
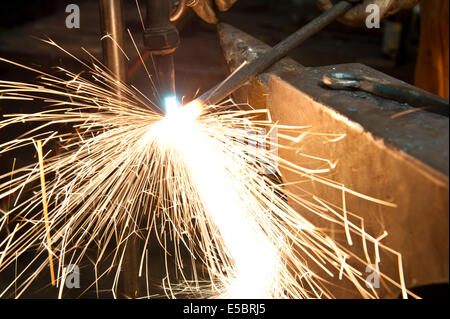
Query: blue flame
(171, 105)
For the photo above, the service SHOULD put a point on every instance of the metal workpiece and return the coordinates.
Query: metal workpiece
(400, 92)
(112, 30)
(268, 58)
(388, 152)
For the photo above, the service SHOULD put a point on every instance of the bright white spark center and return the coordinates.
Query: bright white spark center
(218, 180)
(171, 105)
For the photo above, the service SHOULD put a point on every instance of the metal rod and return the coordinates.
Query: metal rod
(402, 93)
(165, 75)
(111, 18)
(267, 59)
(112, 26)
(161, 38)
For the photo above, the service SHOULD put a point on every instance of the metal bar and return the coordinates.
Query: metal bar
(112, 24)
(221, 91)
(111, 17)
(180, 11)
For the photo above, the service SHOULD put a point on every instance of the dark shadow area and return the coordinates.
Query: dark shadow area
(434, 291)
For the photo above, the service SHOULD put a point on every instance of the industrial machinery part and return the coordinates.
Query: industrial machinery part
(402, 92)
(179, 11)
(161, 39)
(112, 29)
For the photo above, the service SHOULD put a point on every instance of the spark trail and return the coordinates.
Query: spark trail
(193, 176)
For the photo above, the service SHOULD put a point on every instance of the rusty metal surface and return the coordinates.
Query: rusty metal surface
(401, 159)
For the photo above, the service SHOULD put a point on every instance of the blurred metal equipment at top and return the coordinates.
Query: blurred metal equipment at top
(402, 92)
(161, 39)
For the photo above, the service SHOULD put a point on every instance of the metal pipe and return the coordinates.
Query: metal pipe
(158, 13)
(112, 26)
(161, 39)
(402, 93)
(235, 81)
